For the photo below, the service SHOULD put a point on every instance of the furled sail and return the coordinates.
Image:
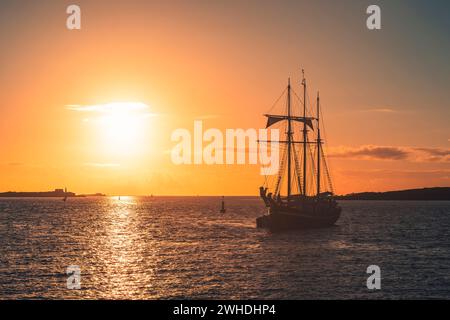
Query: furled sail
(272, 119)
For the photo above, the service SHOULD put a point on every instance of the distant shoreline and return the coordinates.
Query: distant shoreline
(424, 194)
(57, 193)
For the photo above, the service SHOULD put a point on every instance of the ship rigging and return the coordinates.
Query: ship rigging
(302, 194)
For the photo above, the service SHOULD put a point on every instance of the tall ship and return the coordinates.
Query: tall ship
(301, 195)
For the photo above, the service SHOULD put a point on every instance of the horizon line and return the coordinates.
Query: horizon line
(101, 194)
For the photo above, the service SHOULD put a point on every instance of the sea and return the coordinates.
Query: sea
(183, 248)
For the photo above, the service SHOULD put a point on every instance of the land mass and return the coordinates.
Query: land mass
(438, 193)
(46, 194)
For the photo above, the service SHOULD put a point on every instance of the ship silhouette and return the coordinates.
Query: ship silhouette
(302, 171)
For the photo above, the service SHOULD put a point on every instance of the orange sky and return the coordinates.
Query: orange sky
(384, 93)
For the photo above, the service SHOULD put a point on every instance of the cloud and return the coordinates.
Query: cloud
(372, 152)
(404, 179)
(434, 154)
(116, 107)
(102, 165)
(16, 164)
(444, 173)
(380, 110)
(435, 151)
(21, 164)
(207, 116)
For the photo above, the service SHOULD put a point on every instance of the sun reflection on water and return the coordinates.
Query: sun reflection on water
(123, 253)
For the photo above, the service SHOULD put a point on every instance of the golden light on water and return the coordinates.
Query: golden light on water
(123, 252)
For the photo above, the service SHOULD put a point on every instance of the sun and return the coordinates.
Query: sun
(122, 128)
(121, 132)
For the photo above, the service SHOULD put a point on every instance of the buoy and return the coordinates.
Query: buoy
(223, 210)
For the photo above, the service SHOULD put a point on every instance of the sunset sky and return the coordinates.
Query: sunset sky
(163, 64)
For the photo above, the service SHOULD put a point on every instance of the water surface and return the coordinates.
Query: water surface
(181, 247)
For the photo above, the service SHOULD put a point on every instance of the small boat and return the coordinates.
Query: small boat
(65, 195)
(222, 209)
(314, 205)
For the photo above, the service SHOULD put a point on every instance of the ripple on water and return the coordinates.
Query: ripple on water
(181, 247)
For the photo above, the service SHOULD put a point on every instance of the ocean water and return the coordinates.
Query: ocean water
(181, 247)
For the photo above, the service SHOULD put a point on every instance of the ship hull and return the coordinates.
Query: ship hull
(291, 219)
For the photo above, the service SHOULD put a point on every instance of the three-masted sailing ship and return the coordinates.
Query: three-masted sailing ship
(302, 193)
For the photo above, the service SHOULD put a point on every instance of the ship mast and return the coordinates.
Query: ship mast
(289, 137)
(305, 132)
(307, 122)
(318, 145)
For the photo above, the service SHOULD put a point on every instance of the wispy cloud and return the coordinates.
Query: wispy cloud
(380, 110)
(207, 116)
(444, 173)
(369, 152)
(115, 107)
(16, 164)
(102, 165)
(372, 152)
(435, 154)
(22, 165)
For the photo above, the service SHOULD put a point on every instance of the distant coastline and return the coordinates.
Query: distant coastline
(424, 194)
(57, 193)
(430, 194)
